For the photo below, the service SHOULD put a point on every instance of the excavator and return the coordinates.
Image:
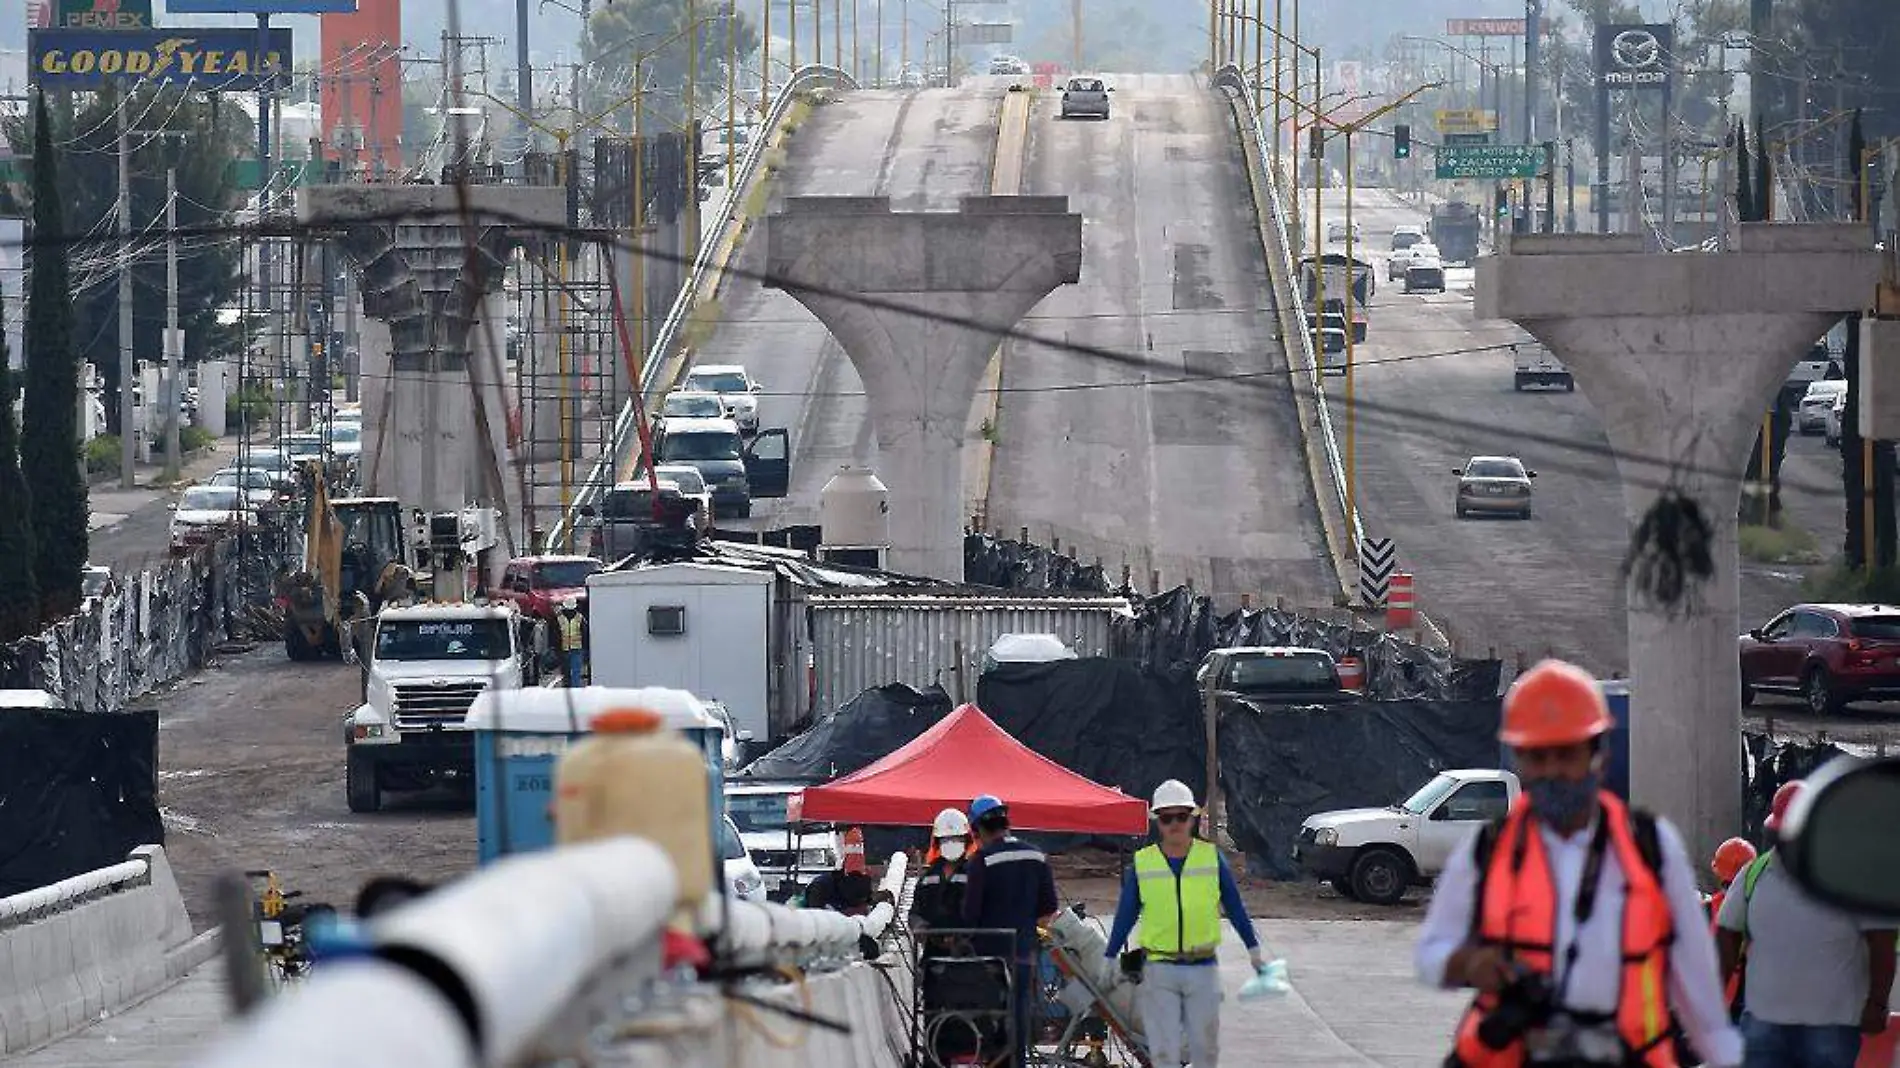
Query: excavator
(354, 563)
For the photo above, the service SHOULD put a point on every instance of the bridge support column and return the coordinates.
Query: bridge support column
(918, 301)
(1681, 354)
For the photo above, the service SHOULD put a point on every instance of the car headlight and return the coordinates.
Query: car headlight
(1326, 836)
(747, 883)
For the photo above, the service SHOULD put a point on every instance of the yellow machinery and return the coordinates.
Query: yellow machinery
(354, 561)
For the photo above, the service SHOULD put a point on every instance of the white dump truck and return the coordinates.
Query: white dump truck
(1536, 365)
(1375, 854)
(425, 665)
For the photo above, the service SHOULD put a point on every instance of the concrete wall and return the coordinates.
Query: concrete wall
(89, 945)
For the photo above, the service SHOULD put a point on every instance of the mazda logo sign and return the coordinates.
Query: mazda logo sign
(1636, 50)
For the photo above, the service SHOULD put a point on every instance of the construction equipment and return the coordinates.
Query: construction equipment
(354, 562)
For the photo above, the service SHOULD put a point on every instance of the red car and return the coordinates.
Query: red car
(1825, 654)
(538, 584)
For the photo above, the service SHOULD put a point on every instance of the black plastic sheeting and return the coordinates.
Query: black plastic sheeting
(1171, 632)
(1769, 764)
(78, 791)
(1281, 765)
(1012, 565)
(865, 729)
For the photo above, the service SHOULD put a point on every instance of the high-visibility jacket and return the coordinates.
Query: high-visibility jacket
(572, 626)
(1180, 914)
(1518, 911)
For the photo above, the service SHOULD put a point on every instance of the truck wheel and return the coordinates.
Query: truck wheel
(1570, 385)
(1342, 886)
(1380, 876)
(1518, 383)
(365, 794)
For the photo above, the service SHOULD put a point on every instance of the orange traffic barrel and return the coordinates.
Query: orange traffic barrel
(1352, 673)
(1400, 607)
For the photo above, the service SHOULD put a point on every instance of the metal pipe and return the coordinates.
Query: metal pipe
(394, 1018)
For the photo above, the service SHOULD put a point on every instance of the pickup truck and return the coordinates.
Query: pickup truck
(1535, 365)
(1375, 854)
(1275, 675)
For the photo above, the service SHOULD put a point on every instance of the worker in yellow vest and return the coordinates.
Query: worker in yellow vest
(572, 628)
(1178, 887)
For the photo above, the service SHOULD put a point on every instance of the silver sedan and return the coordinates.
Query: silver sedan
(1494, 485)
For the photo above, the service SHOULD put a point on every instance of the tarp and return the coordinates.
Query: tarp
(78, 791)
(1280, 765)
(961, 757)
(871, 725)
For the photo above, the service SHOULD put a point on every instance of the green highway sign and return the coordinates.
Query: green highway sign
(1490, 161)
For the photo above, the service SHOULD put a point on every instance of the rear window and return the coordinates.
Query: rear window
(1085, 85)
(1401, 240)
(564, 575)
(630, 504)
(1880, 628)
(1296, 671)
(1494, 469)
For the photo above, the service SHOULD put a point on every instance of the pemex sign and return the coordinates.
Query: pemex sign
(209, 59)
(103, 15)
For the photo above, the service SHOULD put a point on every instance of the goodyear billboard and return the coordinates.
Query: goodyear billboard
(202, 58)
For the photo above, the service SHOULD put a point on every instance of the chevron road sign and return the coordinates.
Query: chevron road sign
(1378, 557)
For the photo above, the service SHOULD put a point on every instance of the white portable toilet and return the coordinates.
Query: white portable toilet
(854, 519)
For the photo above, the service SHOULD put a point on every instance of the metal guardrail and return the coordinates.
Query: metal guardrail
(626, 433)
(1291, 301)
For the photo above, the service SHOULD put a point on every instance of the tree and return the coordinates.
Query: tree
(49, 439)
(656, 35)
(19, 593)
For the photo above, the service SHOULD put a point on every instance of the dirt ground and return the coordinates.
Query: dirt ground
(250, 759)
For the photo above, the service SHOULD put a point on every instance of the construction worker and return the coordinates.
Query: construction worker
(1729, 860)
(849, 888)
(1576, 918)
(1818, 978)
(1179, 887)
(571, 626)
(1010, 888)
(939, 898)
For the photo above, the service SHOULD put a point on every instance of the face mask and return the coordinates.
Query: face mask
(1562, 802)
(951, 848)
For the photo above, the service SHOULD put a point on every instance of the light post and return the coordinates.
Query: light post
(1280, 95)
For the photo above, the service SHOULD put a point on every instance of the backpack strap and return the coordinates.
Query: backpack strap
(1648, 840)
(1481, 851)
(1750, 876)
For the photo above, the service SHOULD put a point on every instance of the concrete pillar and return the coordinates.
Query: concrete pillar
(1681, 354)
(918, 301)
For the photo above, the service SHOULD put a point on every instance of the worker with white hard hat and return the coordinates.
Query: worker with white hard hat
(1178, 887)
(939, 898)
(572, 629)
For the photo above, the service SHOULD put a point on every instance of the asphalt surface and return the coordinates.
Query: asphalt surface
(925, 149)
(1166, 439)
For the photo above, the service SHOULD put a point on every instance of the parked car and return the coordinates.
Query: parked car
(203, 514)
(1494, 484)
(538, 584)
(735, 470)
(734, 386)
(1273, 675)
(1375, 854)
(1831, 432)
(1810, 416)
(260, 489)
(692, 486)
(743, 880)
(631, 522)
(1085, 96)
(1828, 655)
(788, 859)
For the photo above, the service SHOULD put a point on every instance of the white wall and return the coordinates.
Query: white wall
(723, 654)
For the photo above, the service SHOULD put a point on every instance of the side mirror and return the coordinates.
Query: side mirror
(1532, 474)
(1758, 635)
(743, 736)
(1459, 471)
(1111, 88)
(1837, 837)
(171, 507)
(587, 511)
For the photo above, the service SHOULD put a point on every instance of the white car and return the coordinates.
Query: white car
(690, 404)
(734, 386)
(787, 860)
(1811, 416)
(204, 513)
(1424, 273)
(1405, 236)
(692, 486)
(260, 489)
(1375, 854)
(1085, 96)
(1402, 259)
(743, 880)
(1832, 431)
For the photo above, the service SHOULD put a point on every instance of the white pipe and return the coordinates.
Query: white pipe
(361, 1013)
(516, 942)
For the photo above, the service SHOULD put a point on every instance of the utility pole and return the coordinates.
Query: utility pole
(524, 76)
(1533, 57)
(127, 372)
(174, 341)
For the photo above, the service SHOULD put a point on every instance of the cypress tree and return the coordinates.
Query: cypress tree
(49, 438)
(19, 593)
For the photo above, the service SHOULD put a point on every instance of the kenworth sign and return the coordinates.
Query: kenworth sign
(204, 59)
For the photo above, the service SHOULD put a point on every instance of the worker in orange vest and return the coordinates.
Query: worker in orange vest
(1577, 919)
(1729, 860)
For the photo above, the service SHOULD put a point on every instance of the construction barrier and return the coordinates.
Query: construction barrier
(1352, 673)
(1401, 609)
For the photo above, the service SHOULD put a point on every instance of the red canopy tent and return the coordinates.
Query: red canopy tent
(963, 756)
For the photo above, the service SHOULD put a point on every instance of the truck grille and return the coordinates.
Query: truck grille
(776, 859)
(420, 705)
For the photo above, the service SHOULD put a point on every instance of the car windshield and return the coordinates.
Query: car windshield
(1429, 795)
(442, 639)
(758, 812)
(730, 847)
(250, 478)
(632, 503)
(303, 446)
(1294, 671)
(721, 382)
(347, 433)
(680, 407)
(269, 459)
(564, 574)
(701, 445)
(1494, 469)
(1879, 628)
(687, 478)
(209, 499)
(1826, 390)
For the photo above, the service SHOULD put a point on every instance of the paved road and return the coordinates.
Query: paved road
(1201, 480)
(130, 529)
(923, 149)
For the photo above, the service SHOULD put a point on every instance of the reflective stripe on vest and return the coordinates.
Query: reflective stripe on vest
(1180, 916)
(570, 631)
(1519, 912)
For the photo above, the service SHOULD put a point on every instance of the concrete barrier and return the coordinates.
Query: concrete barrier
(85, 946)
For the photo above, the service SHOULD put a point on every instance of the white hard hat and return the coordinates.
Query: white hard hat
(950, 823)
(570, 602)
(1172, 794)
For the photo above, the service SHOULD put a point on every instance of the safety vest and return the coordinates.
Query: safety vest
(571, 624)
(1180, 914)
(1518, 911)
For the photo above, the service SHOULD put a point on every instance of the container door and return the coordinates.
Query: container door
(768, 463)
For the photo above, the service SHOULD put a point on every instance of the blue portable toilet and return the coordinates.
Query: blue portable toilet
(1616, 765)
(521, 734)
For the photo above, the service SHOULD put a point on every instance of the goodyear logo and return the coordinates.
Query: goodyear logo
(209, 59)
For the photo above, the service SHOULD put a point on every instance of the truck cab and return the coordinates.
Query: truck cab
(425, 666)
(1536, 365)
(1375, 854)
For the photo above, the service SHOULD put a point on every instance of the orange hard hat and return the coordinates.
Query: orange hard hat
(1730, 858)
(1554, 703)
(1784, 796)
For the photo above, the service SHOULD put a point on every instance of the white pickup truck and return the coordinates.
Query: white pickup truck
(1538, 366)
(1375, 854)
